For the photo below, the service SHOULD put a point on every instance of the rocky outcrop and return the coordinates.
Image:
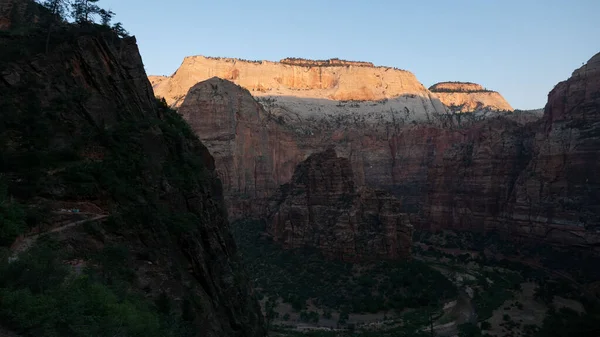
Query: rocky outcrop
(79, 123)
(254, 153)
(469, 97)
(321, 207)
(154, 80)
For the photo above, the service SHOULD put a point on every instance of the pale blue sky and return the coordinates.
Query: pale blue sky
(519, 48)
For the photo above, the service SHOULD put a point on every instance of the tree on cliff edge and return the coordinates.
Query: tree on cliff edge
(56, 7)
(83, 10)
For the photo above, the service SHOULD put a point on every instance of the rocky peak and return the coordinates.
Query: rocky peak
(577, 97)
(321, 208)
(469, 97)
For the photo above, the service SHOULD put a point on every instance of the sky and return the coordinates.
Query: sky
(520, 48)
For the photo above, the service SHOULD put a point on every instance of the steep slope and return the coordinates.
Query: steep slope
(254, 153)
(469, 97)
(322, 208)
(557, 197)
(308, 88)
(80, 128)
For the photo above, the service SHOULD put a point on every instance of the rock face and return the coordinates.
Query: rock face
(254, 153)
(509, 171)
(557, 196)
(86, 110)
(322, 208)
(469, 97)
(17, 13)
(305, 87)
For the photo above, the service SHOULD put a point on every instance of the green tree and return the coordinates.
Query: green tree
(57, 7)
(105, 16)
(119, 30)
(83, 10)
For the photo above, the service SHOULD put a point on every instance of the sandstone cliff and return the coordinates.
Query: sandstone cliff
(80, 126)
(308, 88)
(557, 196)
(469, 97)
(322, 208)
(506, 171)
(254, 152)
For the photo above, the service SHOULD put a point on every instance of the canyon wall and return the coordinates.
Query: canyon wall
(505, 170)
(321, 207)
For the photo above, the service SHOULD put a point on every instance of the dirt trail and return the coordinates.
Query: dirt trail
(25, 243)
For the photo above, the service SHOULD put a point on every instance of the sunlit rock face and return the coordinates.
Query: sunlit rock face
(469, 97)
(306, 87)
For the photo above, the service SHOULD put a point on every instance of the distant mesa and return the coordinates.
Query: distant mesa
(458, 87)
(303, 80)
(469, 97)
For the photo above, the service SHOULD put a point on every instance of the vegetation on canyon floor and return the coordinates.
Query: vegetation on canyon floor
(302, 289)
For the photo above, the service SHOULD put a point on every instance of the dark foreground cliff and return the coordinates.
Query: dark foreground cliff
(321, 207)
(137, 239)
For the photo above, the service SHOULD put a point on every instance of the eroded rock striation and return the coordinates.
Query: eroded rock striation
(469, 97)
(321, 207)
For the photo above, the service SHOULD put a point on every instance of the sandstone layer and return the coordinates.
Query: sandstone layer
(321, 207)
(308, 88)
(469, 97)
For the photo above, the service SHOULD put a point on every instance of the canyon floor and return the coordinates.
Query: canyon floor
(456, 285)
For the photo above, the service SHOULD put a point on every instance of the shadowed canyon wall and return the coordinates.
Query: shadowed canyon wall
(321, 207)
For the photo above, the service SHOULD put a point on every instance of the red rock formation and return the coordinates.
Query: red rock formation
(321, 208)
(511, 172)
(557, 197)
(253, 153)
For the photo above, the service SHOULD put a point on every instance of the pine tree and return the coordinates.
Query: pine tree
(83, 10)
(56, 7)
(105, 16)
(59, 9)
